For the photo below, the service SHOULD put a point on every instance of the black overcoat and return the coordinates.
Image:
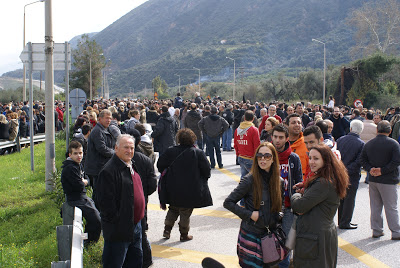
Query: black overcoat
(187, 185)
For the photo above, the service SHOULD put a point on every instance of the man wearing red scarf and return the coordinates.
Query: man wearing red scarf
(291, 173)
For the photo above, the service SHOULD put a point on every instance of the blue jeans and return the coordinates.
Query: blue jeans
(287, 222)
(213, 143)
(245, 166)
(227, 140)
(124, 254)
(200, 144)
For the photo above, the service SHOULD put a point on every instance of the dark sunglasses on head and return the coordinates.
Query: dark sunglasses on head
(267, 156)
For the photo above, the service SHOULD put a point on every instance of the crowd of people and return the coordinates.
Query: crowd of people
(299, 164)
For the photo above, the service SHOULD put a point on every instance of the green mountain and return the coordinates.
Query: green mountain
(171, 37)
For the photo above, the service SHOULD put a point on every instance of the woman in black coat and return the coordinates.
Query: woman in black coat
(4, 128)
(261, 190)
(185, 183)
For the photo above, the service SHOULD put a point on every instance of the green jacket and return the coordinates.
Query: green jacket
(316, 236)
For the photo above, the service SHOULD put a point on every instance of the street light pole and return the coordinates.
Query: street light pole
(323, 93)
(90, 78)
(179, 88)
(234, 77)
(24, 68)
(199, 77)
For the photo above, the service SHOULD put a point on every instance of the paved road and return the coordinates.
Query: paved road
(215, 231)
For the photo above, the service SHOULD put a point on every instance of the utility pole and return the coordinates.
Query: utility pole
(179, 87)
(234, 77)
(90, 77)
(199, 78)
(323, 90)
(49, 97)
(24, 68)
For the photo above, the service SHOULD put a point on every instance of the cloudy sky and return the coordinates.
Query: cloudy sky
(70, 18)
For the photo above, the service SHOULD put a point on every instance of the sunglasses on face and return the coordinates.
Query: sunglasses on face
(267, 156)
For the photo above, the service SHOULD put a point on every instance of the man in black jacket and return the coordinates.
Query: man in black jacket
(350, 147)
(227, 135)
(340, 123)
(212, 127)
(191, 121)
(381, 158)
(73, 182)
(122, 205)
(164, 131)
(145, 168)
(290, 172)
(100, 149)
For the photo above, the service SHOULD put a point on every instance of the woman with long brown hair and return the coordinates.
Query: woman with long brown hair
(262, 193)
(316, 235)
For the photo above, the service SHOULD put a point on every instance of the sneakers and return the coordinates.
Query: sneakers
(186, 237)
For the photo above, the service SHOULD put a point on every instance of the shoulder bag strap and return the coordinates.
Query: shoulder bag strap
(178, 157)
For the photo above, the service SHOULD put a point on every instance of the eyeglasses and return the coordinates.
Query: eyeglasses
(267, 156)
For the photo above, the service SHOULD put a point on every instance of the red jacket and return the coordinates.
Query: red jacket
(246, 140)
(60, 114)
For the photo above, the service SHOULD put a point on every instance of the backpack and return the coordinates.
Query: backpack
(178, 102)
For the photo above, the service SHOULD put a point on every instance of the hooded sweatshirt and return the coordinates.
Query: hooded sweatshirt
(246, 140)
(72, 176)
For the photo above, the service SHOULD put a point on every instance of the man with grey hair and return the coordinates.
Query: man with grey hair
(271, 113)
(381, 158)
(350, 147)
(122, 205)
(100, 149)
(263, 112)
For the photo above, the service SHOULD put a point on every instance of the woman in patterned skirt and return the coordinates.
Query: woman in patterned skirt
(261, 190)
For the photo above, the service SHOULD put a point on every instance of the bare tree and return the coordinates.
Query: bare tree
(377, 27)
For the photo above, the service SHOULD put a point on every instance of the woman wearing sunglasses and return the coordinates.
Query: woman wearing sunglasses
(316, 236)
(262, 193)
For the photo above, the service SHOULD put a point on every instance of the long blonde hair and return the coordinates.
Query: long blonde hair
(274, 182)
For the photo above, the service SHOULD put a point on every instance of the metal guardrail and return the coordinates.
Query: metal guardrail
(19, 141)
(70, 240)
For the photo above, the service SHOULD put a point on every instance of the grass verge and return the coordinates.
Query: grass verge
(29, 215)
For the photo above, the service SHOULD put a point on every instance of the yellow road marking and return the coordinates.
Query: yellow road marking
(360, 254)
(343, 244)
(192, 256)
(202, 212)
(230, 174)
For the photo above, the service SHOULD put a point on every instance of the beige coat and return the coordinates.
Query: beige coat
(369, 131)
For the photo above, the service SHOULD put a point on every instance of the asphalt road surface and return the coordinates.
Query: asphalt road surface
(215, 230)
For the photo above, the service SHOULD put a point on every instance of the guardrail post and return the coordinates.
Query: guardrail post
(61, 264)
(64, 242)
(67, 214)
(18, 143)
(70, 240)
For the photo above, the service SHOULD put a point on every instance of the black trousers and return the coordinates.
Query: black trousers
(147, 257)
(93, 179)
(346, 207)
(92, 217)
